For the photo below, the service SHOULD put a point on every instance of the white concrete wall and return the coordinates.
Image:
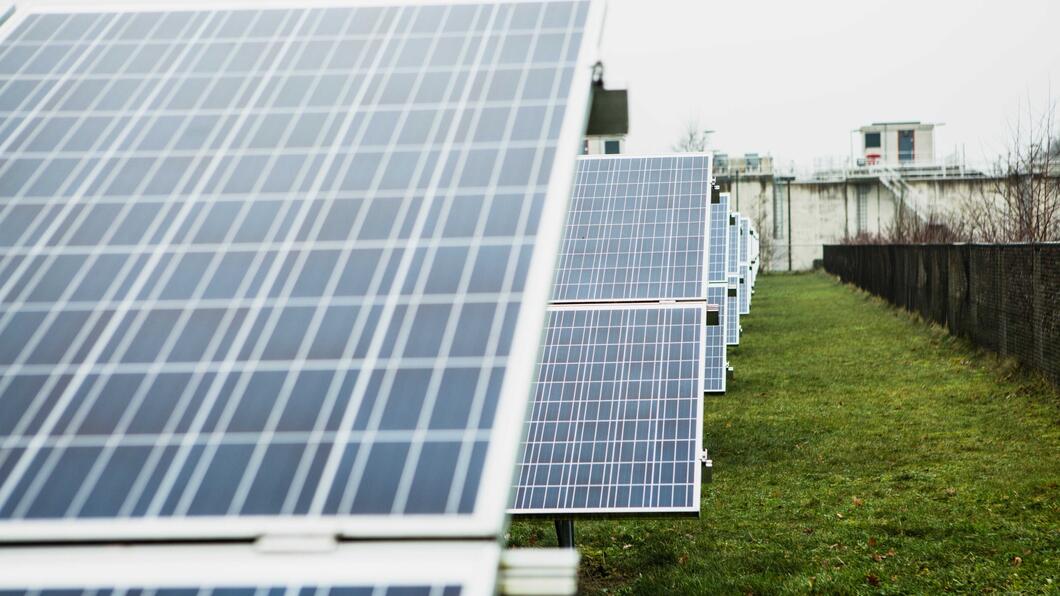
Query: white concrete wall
(826, 212)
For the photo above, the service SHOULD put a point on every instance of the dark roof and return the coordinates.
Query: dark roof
(610, 113)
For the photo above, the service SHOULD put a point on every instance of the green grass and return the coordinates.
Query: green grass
(858, 450)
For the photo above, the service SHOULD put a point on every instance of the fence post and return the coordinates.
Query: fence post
(1038, 307)
(1002, 300)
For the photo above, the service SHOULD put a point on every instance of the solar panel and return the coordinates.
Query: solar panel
(732, 311)
(745, 273)
(636, 229)
(238, 244)
(734, 243)
(616, 425)
(716, 365)
(350, 569)
(717, 263)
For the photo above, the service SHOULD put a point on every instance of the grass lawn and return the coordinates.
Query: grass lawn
(858, 450)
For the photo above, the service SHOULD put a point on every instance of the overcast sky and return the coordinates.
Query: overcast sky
(792, 79)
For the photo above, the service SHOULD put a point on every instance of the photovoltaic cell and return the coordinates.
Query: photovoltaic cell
(732, 311)
(636, 229)
(718, 258)
(715, 340)
(236, 247)
(616, 425)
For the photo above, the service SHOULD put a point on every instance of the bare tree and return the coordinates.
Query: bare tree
(1017, 201)
(1021, 203)
(694, 139)
(765, 240)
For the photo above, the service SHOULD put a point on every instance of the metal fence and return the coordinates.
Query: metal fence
(1004, 297)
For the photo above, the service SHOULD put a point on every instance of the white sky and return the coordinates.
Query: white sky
(793, 78)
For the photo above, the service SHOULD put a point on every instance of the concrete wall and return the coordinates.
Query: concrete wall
(827, 212)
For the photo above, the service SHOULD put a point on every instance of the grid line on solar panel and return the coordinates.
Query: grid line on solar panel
(715, 339)
(718, 259)
(152, 380)
(616, 425)
(636, 229)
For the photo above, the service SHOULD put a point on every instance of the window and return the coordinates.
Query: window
(863, 209)
(779, 188)
(585, 147)
(872, 140)
(612, 147)
(905, 145)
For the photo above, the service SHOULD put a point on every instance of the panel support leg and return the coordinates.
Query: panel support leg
(565, 533)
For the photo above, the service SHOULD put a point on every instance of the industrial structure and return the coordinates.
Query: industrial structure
(798, 212)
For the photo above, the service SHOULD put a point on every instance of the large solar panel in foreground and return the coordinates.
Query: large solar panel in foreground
(636, 229)
(284, 266)
(616, 425)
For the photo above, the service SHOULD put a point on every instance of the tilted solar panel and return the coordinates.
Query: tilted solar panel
(732, 311)
(349, 569)
(734, 243)
(716, 364)
(636, 229)
(616, 425)
(745, 270)
(236, 248)
(717, 262)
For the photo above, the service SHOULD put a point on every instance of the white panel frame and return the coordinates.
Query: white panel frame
(471, 565)
(495, 489)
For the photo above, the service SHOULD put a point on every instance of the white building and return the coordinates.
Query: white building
(897, 143)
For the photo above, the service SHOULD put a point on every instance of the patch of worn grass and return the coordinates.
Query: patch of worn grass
(858, 451)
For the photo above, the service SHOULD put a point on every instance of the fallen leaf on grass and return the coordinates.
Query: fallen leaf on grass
(877, 557)
(1017, 561)
(891, 553)
(839, 515)
(872, 579)
(872, 541)
(857, 502)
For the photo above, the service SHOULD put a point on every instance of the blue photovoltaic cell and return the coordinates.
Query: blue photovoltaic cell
(236, 247)
(718, 257)
(636, 229)
(397, 589)
(732, 311)
(714, 342)
(617, 414)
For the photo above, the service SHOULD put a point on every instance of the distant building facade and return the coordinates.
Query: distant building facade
(897, 143)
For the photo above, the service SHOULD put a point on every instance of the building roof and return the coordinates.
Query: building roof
(610, 112)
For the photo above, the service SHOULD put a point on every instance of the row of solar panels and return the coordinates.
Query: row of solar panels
(281, 272)
(653, 274)
(272, 280)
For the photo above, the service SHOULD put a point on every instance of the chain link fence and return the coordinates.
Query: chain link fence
(1004, 297)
